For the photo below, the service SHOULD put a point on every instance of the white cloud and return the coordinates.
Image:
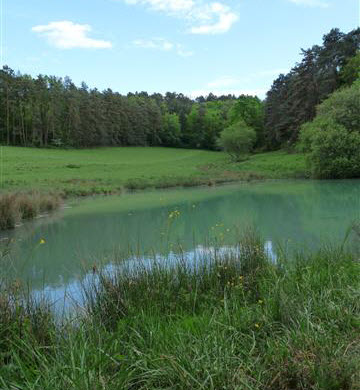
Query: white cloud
(220, 17)
(166, 5)
(204, 17)
(163, 45)
(155, 43)
(181, 51)
(311, 3)
(68, 35)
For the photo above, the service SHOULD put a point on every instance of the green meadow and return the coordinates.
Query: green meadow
(113, 169)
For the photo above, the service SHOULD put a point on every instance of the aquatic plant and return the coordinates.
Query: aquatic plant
(18, 206)
(230, 320)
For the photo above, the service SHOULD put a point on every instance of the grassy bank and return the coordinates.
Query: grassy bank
(232, 321)
(19, 206)
(110, 170)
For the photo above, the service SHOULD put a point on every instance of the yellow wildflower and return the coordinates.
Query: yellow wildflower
(42, 241)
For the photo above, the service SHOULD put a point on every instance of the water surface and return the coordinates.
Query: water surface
(94, 231)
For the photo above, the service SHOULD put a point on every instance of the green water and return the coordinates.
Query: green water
(300, 214)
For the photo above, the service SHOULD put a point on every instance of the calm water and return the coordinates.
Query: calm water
(97, 230)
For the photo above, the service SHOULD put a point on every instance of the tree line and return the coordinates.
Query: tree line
(293, 97)
(50, 111)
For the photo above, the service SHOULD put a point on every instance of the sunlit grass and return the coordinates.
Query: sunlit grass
(109, 170)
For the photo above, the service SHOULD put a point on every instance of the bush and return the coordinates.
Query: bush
(237, 140)
(332, 139)
(336, 154)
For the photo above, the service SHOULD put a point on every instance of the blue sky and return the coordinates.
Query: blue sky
(188, 46)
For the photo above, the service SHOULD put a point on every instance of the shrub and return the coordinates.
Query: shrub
(336, 154)
(237, 140)
(332, 139)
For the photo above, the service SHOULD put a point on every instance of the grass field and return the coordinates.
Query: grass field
(109, 170)
(231, 321)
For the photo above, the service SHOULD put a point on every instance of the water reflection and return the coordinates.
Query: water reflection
(301, 215)
(68, 296)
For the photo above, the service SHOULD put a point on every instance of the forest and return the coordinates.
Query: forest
(51, 111)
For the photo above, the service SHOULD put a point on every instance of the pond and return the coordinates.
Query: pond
(95, 231)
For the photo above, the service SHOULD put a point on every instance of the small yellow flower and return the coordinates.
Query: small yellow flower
(257, 326)
(260, 301)
(174, 214)
(42, 241)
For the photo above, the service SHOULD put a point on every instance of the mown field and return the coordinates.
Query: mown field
(108, 170)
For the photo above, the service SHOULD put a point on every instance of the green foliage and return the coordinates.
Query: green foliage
(251, 110)
(237, 140)
(351, 71)
(205, 122)
(227, 321)
(171, 135)
(293, 98)
(52, 112)
(332, 139)
(343, 107)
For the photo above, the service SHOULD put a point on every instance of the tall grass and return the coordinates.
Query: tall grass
(15, 207)
(229, 320)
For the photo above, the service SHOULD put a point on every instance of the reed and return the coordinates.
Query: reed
(19, 206)
(231, 319)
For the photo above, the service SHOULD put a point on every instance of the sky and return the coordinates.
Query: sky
(190, 46)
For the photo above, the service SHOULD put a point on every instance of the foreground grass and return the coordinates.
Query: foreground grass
(229, 321)
(110, 170)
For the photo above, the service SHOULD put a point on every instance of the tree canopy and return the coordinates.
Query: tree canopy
(332, 139)
(49, 111)
(293, 97)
